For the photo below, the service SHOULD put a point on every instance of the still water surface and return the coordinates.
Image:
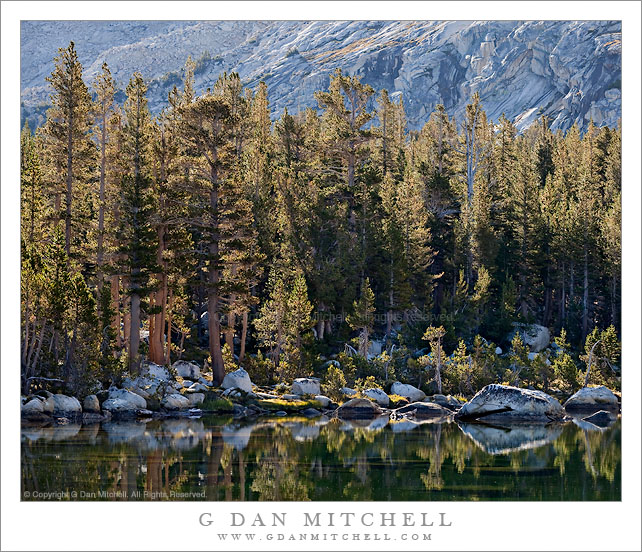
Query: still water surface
(297, 459)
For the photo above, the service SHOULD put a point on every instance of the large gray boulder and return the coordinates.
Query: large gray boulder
(323, 400)
(535, 336)
(306, 386)
(33, 409)
(408, 391)
(377, 395)
(156, 372)
(238, 379)
(592, 399)
(195, 399)
(449, 402)
(358, 409)
(422, 411)
(175, 401)
(91, 404)
(497, 403)
(124, 402)
(188, 370)
(66, 406)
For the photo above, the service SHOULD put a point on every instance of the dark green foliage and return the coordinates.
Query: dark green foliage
(315, 235)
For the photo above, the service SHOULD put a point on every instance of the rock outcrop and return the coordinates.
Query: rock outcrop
(378, 396)
(502, 403)
(592, 399)
(65, 406)
(188, 370)
(568, 71)
(306, 386)
(422, 411)
(358, 409)
(535, 336)
(239, 379)
(408, 391)
(122, 402)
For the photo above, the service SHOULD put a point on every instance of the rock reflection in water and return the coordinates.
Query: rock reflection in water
(503, 440)
(323, 459)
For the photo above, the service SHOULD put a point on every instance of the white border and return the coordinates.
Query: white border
(502, 526)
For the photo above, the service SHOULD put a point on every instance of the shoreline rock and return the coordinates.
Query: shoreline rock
(503, 403)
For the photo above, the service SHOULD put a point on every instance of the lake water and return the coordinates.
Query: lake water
(298, 459)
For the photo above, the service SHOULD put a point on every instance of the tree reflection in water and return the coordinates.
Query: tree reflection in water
(299, 459)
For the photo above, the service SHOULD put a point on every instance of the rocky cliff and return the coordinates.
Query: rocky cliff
(567, 70)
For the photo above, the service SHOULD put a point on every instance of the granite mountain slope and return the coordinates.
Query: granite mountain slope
(567, 70)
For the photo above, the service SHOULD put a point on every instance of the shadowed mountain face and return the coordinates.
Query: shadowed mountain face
(569, 71)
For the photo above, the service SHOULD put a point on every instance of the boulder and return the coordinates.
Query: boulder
(603, 418)
(511, 404)
(91, 404)
(358, 409)
(348, 392)
(66, 406)
(408, 391)
(291, 397)
(498, 350)
(323, 400)
(33, 409)
(194, 399)
(186, 369)
(187, 383)
(377, 395)
(592, 399)
(47, 401)
(375, 347)
(123, 402)
(157, 372)
(423, 411)
(197, 388)
(535, 336)
(306, 386)
(311, 413)
(239, 379)
(449, 402)
(175, 401)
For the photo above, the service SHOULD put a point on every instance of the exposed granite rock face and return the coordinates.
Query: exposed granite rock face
(423, 411)
(592, 399)
(567, 70)
(358, 409)
(503, 403)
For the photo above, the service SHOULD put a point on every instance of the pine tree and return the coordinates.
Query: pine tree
(103, 108)
(206, 126)
(136, 237)
(66, 132)
(362, 317)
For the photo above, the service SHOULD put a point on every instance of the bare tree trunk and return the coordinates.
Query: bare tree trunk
(68, 195)
(590, 362)
(243, 336)
(126, 328)
(585, 297)
(101, 206)
(115, 302)
(134, 334)
(168, 350)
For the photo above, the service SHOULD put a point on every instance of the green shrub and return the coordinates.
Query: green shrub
(288, 406)
(217, 404)
(333, 382)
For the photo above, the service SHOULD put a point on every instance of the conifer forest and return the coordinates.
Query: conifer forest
(213, 233)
